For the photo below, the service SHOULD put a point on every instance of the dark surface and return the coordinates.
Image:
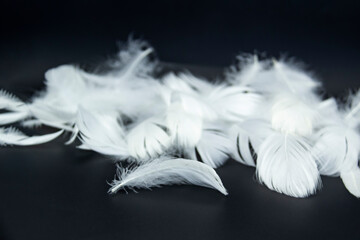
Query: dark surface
(57, 192)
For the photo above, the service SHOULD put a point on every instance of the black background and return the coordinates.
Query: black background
(58, 192)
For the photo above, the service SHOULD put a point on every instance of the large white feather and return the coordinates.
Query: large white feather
(285, 164)
(168, 172)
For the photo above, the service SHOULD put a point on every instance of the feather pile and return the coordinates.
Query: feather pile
(177, 128)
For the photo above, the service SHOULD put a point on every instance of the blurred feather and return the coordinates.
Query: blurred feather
(12, 136)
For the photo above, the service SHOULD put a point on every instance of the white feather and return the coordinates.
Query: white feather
(337, 148)
(246, 135)
(132, 63)
(185, 129)
(11, 117)
(213, 147)
(234, 103)
(102, 133)
(295, 79)
(148, 139)
(249, 66)
(12, 136)
(285, 164)
(9, 101)
(351, 180)
(168, 172)
(292, 115)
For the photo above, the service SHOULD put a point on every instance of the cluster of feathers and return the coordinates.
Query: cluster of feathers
(178, 128)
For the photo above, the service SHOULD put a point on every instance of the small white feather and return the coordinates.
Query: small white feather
(102, 133)
(12, 136)
(11, 117)
(9, 101)
(234, 103)
(337, 148)
(351, 180)
(291, 115)
(247, 70)
(168, 172)
(185, 129)
(247, 137)
(213, 147)
(285, 164)
(148, 139)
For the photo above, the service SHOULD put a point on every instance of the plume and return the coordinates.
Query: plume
(167, 172)
(285, 164)
(337, 143)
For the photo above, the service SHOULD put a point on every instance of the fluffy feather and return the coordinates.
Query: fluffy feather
(185, 129)
(233, 103)
(132, 62)
(285, 164)
(292, 115)
(247, 70)
(168, 172)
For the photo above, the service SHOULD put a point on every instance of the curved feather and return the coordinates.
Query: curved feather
(246, 139)
(337, 148)
(11, 117)
(213, 148)
(132, 62)
(148, 139)
(285, 164)
(12, 136)
(9, 101)
(167, 172)
(101, 133)
(351, 180)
